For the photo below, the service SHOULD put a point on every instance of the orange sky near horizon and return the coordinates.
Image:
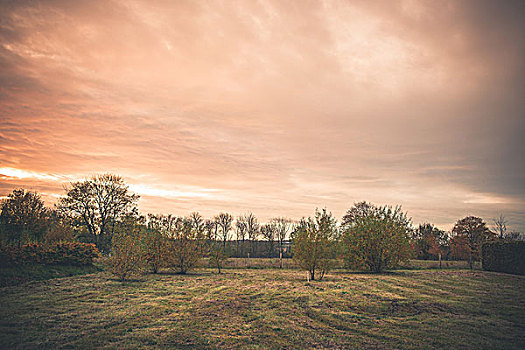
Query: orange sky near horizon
(274, 107)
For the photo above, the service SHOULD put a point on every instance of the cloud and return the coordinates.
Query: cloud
(280, 107)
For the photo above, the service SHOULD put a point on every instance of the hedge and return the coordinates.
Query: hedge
(76, 254)
(506, 257)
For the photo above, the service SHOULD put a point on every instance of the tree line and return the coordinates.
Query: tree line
(102, 210)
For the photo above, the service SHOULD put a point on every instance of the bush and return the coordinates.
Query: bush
(185, 246)
(376, 238)
(218, 254)
(156, 245)
(504, 257)
(314, 244)
(76, 254)
(128, 252)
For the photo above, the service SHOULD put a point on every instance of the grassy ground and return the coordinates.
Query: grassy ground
(268, 308)
(11, 276)
(269, 263)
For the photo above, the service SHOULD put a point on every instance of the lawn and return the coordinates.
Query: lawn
(268, 308)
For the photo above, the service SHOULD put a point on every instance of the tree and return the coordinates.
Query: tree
(198, 224)
(59, 228)
(23, 217)
(471, 233)
(500, 226)
(186, 243)
(240, 231)
(429, 241)
(268, 232)
(376, 238)
(459, 248)
(358, 211)
(156, 241)
(252, 230)
(315, 243)
(282, 226)
(216, 250)
(224, 220)
(128, 253)
(211, 228)
(100, 202)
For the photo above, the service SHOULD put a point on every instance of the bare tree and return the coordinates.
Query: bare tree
(268, 231)
(198, 223)
(500, 226)
(216, 250)
(240, 231)
(186, 243)
(100, 202)
(282, 226)
(211, 227)
(156, 241)
(252, 229)
(224, 220)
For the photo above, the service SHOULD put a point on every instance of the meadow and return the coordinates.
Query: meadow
(266, 308)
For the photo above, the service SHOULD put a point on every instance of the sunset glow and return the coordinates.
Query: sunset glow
(275, 107)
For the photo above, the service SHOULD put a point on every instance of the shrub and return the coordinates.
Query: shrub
(156, 245)
(504, 257)
(185, 245)
(314, 244)
(128, 251)
(76, 254)
(376, 238)
(218, 254)
(216, 250)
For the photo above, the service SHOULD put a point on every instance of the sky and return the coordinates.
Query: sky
(273, 107)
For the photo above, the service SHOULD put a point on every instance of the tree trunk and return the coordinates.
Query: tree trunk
(218, 264)
(280, 258)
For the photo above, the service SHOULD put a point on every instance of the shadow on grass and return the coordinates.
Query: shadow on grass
(127, 280)
(175, 273)
(371, 273)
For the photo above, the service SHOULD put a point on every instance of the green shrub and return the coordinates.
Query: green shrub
(77, 254)
(375, 238)
(503, 256)
(315, 244)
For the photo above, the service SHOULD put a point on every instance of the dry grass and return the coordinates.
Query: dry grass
(273, 263)
(268, 309)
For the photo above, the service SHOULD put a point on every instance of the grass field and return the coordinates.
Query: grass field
(11, 276)
(268, 308)
(257, 263)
